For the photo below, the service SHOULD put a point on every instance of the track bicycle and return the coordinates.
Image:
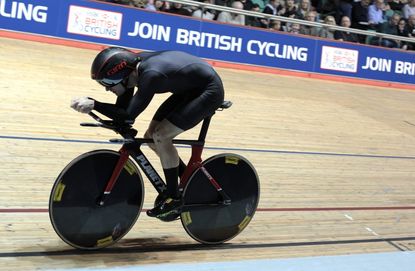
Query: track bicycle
(98, 196)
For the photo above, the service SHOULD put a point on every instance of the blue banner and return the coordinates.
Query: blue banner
(40, 16)
(367, 62)
(110, 24)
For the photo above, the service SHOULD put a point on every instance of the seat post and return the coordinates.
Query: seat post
(204, 129)
(206, 121)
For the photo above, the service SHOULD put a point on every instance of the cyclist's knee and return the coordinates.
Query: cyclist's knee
(151, 128)
(149, 133)
(164, 132)
(163, 137)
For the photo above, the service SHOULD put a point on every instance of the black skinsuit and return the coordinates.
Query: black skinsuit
(197, 90)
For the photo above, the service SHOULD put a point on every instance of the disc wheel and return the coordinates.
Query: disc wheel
(209, 222)
(74, 211)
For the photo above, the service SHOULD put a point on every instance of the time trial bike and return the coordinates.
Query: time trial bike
(98, 196)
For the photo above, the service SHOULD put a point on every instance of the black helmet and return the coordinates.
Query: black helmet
(112, 65)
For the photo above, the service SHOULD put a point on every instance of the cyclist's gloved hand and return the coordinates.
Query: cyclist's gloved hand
(83, 104)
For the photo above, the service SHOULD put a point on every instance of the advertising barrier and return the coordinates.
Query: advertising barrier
(108, 24)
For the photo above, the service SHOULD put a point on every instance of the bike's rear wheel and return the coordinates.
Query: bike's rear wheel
(208, 222)
(74, 211)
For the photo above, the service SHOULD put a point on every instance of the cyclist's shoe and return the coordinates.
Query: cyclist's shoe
(165, 208)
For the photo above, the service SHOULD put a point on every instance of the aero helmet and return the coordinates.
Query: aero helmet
(112, 65)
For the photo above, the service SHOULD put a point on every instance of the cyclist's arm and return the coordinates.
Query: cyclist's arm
(117, 111)
(128, 108)
(124, 100)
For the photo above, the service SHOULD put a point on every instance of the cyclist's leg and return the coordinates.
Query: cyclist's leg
(150, 131)
(162, 112)
(149, 134)
(189, 112)
(200, 106)
(165, 108)
(186, 114)
(163, 136)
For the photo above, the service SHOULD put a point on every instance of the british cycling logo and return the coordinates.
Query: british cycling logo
(339, 59)
(94, 22)
(23, 11)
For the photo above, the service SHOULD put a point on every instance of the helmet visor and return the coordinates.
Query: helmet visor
(109, 82)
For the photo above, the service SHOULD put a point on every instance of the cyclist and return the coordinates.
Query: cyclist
(197, 91)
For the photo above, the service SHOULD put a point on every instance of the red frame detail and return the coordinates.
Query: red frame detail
(124, 154)
(194, 163)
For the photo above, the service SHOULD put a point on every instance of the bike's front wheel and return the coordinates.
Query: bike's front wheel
(74, 208)
(207, 220)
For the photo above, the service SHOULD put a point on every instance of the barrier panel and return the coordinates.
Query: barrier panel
(108, 24)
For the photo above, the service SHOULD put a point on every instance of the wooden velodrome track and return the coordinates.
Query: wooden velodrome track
(336, 163)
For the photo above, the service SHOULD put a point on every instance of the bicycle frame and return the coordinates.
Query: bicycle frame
(106, 186)
(132, 148)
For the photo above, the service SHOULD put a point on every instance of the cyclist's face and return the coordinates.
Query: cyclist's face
(118, 89)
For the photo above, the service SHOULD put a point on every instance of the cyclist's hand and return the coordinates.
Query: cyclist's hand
(83, 104)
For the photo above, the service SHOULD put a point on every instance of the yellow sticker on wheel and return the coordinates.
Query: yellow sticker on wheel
(59, 192)
(187, 220)
(104, 241)
(129, 167)
(231, 160)
(244, 223)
